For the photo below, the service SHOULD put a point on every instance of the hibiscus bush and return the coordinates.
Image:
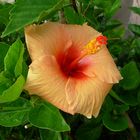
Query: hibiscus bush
(26, 117)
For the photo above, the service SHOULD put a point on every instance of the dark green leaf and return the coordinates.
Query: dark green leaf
(49, 135)
(108, 104)
(14, 113)
(129, 97)
(115, 96)
(131, 76)
(115, 122)
(14, 59)
(121, 108)
(136, 10)
(46, 116)
(134, 28)
(26, 12)
(89, 132)
(14, 91)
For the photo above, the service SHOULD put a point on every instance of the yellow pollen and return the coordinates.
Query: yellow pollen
(92, 47)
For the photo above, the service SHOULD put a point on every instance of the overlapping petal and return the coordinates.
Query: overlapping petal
(45, 79)
(86, 96)
(104, 67)
(51, 37)
(44, 39)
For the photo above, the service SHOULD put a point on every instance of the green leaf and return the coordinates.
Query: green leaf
(116, 96)
(129, 97)
(109, 6)
(14, 58)
(131, 76)
(46, 116)
(5, 83)
(134, 28)
(121, 108)
(14, 113)
(115, 33)
(26, 12)
(112, 24)
(114, 7)
(108, 104)
(4, 13)
(3, 50)
(89, 132)
(136, 10)
(72, 17)
(14, 91)
(49, 135)
(136, 46)
(115, 122)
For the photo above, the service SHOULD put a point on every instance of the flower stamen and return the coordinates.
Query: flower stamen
(92, 47)
(95, 45)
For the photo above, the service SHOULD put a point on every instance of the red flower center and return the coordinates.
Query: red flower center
(70, 65)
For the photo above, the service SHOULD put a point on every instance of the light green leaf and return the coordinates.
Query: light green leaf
(136, 10)
(14, 58)
(3, 50)
(14, 91)
(46, 116)
(5, 83)
(4, 13)
(131, 76)
(72, 17)
(114, 7)
(134, 28)
(14, 113)
(26, 12)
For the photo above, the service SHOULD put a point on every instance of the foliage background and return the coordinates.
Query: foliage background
(29, 118)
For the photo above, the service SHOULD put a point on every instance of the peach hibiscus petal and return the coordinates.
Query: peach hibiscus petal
(45, 80)
(103, 66)
(86, 96)
(45, 39)
(81, 34)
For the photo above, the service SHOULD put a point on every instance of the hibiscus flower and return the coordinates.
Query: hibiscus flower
(71, 67)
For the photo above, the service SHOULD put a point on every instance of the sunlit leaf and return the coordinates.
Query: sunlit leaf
(14, 91)
(46, 116)
(26, 12)
(14, 113)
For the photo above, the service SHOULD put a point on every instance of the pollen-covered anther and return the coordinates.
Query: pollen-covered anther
(95, 44)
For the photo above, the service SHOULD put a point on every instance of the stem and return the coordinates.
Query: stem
(87, 7)
(117, 38)
(73, 2)
(131, 127)
(62, 16)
